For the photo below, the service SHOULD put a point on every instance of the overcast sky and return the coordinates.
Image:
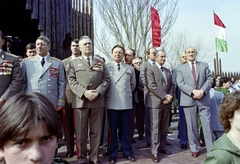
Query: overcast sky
(196, 17)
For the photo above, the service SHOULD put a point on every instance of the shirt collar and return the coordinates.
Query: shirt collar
(117, 63)
(150, 61)
(158, 65)
(85, 57)
(40, 57)
(194, 62)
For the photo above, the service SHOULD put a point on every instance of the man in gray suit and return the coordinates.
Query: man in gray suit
(119, 103)
(44, 74)
(88, 80)
(10, 74)
(161, 89)
(195, 80)
(151, 54)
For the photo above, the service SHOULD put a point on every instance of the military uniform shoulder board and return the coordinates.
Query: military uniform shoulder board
(12, 55)
(109, 64)
(31, 57)
(98, 57)
(54, 58)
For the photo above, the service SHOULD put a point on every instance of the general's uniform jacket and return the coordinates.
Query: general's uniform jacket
(82, 77)
(10, 75)
(158, 86)
(122, 84)
(48, 80)
(68, 89)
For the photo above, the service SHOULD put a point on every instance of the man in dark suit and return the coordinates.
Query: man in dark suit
(68, 102)
(10, 74)
(139, 100)
(161, 89)
(195, 80)
(129, 56)
(151, 54)
(182, 120)
(88, 80)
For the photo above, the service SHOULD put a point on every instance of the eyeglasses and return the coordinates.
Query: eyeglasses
(138, 63)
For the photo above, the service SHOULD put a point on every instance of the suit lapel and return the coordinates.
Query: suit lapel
(198, 67)
(123, 69)
(93, 62)
(84, 61)
(159, 72)
(48, 63)
(166, 74)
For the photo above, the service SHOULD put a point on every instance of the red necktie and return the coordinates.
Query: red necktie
(193, 72)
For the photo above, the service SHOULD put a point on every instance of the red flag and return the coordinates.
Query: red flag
(156, 28)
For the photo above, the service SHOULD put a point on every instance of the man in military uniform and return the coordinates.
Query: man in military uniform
(88, 80)
(44, 74)
(118, 99)
(10, 74)
(68, 103)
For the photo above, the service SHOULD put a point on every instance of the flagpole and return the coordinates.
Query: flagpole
(217, 65)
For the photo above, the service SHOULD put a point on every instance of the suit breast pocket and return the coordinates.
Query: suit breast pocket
(80, 72)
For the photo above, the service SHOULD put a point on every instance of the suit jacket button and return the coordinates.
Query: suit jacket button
(48, 79)
(48, 91)
(48, 85)
(39, 91)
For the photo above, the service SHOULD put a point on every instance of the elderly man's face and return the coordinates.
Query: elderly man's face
(183, 58)
(137, 64)
(191, 54)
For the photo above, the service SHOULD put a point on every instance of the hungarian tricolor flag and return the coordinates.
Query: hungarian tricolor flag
(156, 28)
(221, 34)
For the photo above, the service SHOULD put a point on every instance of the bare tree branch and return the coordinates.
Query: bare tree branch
(129, 22)
(179, 42)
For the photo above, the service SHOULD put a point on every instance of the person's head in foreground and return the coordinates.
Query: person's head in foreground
(30, 129)
(226, 149)
(229, 115)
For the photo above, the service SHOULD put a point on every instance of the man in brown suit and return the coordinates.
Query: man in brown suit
(68, 102)
(10, 74)
(88, 81)
(161, 89)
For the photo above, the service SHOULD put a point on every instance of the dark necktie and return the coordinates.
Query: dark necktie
(153, 63)
(161, 69)
(118, 67)
(43, 62)
(193, 72)
(88, 60)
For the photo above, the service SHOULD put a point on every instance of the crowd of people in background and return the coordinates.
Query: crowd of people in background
(103, 103)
